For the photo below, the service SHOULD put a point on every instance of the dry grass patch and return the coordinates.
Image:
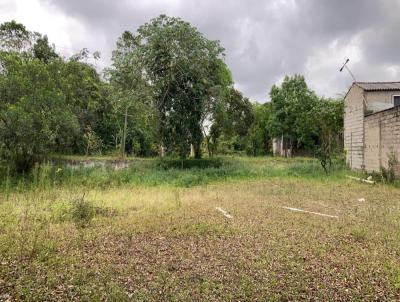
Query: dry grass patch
(171, 244)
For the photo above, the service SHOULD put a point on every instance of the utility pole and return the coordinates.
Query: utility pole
(124, 134)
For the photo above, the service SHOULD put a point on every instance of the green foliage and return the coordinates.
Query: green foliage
(306, 121)
(190, 163)
(328, 118)
(168, 87)
(46, 103)
(239, 114)
(92, 141)
(43, 51)
(259, 136)
(82, 212)
(14, 37)
(232, 120)
(170, 172)
(87, 97)
(182, 70)
(292, 106)
(131, 95)
(388, 174)
(33, 116)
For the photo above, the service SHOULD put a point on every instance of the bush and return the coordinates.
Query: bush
(167, 164)
(388, 174)
(34, 114)
(82, 212)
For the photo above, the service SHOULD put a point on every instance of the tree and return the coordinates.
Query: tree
(310, 122)
(43, 51)
(328, 117)
(183, 70)
(259, 136)
(215, 104)
(132, 100)
(233, 119)
(47, 103)
(92, 141)
(14, 37)
(292, 107)
(33, 114)
(85, 94)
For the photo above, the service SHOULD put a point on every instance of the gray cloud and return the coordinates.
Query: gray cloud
(264, 40)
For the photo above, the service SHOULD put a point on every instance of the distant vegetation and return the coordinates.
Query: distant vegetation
(105, 174)
(168, 88)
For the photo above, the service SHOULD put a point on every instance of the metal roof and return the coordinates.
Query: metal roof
(378, 86)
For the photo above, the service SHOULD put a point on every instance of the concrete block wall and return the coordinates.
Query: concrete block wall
(354, 128)
(382, 136)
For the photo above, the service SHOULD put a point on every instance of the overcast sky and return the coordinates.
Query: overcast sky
(264, 40)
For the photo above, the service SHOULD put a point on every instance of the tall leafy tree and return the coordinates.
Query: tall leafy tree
(259, 136)
(182, 69)
(328, 118)
(14, 37)
(292, 106)
(307, 121)
(233, 119)
(135, 115)
(33, 115)
(43, 51)
(215, 104)
(85, 96)
(47, 103)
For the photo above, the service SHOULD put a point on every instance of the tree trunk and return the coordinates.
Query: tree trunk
(192, 152)
(162, 151)
(124, 134)
(208, 143)
(197, 150)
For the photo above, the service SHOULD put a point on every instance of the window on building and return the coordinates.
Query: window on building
(396, 100)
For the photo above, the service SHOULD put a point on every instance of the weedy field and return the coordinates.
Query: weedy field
(151, 232)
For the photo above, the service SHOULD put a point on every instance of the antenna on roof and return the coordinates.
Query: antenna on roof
(348, 69)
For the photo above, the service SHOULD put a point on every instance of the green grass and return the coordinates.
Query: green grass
(152, 233)
(170, 172)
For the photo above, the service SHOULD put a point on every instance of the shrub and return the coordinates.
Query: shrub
(190, 163)
(388, 174)
(82, 212)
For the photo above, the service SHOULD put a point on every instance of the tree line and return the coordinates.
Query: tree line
(167, 91)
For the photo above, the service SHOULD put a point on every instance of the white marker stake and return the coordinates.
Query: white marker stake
(225, 213)
(315, 213)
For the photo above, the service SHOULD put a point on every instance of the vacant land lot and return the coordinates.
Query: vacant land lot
(152, 233)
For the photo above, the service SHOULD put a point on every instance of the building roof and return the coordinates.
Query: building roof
(378, 86)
